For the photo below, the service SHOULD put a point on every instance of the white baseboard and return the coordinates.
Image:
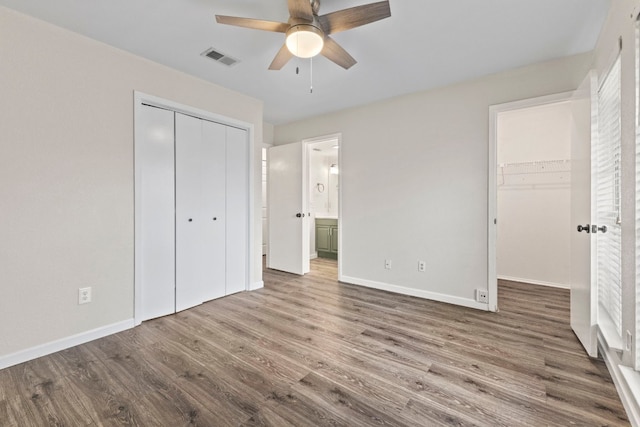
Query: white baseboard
(626, 380)
(313, 255)
(256, 285)
(63, 343)
(535, 282)
(464, 302)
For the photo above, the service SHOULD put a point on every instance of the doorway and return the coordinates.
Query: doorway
(529, 193)
(324, 190)
(304, 203)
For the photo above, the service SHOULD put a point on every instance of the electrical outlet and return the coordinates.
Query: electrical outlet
(84, 295)
(482, 295)
(629, 341)
(422, 266)
(387, 264)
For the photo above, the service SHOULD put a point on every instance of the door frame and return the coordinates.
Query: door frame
(492, 211)
(306, 145)
(140, 98)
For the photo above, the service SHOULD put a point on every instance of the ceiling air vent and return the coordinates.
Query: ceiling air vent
(220, 57)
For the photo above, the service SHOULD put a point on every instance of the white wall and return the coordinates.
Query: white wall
(66, 176)
(414, 179)
(534, 204)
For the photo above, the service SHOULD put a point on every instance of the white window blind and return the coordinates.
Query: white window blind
(608, 213)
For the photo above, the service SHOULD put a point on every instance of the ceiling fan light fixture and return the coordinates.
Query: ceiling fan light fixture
(305, 40)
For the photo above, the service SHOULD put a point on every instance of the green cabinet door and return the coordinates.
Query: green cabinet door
(323, 238)
(334, 239)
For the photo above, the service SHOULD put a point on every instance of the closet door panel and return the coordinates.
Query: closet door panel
(189, 217)
(237, 191)
(213, 159)
(155, 202)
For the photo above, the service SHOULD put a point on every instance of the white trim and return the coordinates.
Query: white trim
(626, 380)
(314, 255)
(63, 343)
(465, 302)
(256, 285)
(535, 282)
(492, 208)
(139, 99)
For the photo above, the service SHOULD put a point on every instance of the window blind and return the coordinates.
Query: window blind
(607, 199)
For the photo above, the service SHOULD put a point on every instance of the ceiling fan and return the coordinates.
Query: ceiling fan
(307, 33)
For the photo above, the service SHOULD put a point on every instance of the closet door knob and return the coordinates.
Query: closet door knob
(190, 219)
(215, 218)
(583, 228)
(298, 215)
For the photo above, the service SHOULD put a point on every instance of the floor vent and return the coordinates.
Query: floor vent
(220, 57)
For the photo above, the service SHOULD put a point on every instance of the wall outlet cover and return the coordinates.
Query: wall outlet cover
(482, 295)
(84, 295)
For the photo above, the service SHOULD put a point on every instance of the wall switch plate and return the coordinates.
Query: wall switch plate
(629, 341)
(482, 296)
(422, 266)
(84, 295)
(387, 264)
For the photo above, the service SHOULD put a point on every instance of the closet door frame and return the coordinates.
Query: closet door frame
(141, 98)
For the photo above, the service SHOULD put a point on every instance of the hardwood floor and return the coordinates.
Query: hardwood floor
(311, 351)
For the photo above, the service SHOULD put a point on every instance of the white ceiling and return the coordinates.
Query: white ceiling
(424, 44)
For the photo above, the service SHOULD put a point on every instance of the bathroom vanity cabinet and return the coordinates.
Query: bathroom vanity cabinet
(327, 237)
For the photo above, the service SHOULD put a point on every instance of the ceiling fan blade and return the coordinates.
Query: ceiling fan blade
(282, 57)
(346, 19)
(301, 9)
(334, 52)
(256, 24)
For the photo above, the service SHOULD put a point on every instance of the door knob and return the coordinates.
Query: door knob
(583, 228)
(298, 215)
(215, 218)
(595, 229)
(190, 219)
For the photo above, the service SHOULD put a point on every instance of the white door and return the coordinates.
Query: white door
(583, 288)
(288, 216)
(189, 218)
(237, 210)
(155, 218)
(213, 160)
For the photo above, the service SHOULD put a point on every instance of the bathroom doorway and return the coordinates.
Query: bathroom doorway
(324, 197)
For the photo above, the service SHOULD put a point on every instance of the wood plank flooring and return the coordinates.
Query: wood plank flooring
(309, 351)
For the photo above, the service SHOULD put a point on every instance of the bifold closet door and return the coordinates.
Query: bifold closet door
(213, 178)
(200, 211)
(155, 211)
(189, 219)
(237, 207)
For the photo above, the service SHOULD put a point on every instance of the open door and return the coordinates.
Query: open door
(583, 289)
(287, 205)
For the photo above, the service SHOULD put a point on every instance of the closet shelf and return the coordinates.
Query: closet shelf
(535, 167)
(538, 173)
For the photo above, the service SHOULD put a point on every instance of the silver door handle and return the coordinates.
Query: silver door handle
(595, 229)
